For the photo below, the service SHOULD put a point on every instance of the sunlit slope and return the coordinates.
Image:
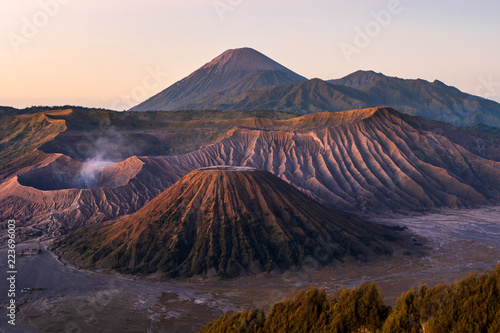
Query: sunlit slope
(21, 136)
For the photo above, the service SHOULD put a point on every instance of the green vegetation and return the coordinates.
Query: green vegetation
(469, 305)
(208, 115)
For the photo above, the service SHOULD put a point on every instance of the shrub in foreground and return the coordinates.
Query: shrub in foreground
(469, 305)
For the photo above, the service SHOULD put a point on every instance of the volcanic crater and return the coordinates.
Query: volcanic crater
(67, 173)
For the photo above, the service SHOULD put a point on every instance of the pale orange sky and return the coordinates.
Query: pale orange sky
(99, 53)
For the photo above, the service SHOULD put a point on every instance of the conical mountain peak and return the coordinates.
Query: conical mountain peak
(238, 69)
(244, 59)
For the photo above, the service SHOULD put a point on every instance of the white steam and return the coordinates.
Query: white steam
(90, 174)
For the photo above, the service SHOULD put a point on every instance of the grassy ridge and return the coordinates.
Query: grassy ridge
(6, 111)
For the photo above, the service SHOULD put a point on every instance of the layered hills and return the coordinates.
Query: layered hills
(244, 79)
(305, 97)
(431, 100)
(224, 221)
(368, 161)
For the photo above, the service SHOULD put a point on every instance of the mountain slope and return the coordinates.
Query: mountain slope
(225, 99)
(432, 100)
(305, 97)
(228, 221)
(232, 68)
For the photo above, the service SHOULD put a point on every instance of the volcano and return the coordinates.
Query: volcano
(231, 73)
(224, 221)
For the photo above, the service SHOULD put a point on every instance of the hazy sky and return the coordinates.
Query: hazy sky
(111, 53)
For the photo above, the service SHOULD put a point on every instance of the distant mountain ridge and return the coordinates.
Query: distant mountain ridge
(433, 100)
(244, 80)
